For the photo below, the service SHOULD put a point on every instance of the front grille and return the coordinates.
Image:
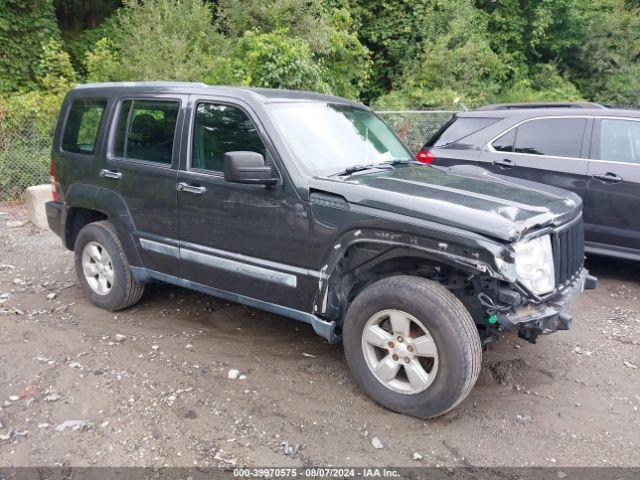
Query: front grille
(568, 251)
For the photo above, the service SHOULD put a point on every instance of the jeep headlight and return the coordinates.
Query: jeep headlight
(534, 264)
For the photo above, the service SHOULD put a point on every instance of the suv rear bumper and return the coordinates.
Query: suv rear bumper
(56, 217)
(550, 315)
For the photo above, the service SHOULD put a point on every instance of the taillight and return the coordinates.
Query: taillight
(425, 156)
(52, 177)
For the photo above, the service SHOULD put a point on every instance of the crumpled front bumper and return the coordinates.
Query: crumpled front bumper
(550, 315)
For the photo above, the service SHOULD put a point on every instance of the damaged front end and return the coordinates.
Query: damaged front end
(535, 316)
(540, 303)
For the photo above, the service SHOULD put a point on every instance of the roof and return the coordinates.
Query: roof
(524, 113)
(538, 105)
(263, 95)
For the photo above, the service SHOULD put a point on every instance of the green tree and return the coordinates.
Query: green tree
(607, 67)
(26, 26)
(55, 72)
(455, 63)
(394, 31)
(101, 64)
(159, 40)
(326, 28)
(272, 60)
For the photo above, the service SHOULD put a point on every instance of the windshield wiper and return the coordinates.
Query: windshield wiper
(403, 161)
(359, 168)
(369, 166)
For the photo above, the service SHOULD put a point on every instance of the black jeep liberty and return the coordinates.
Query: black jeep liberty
(309, 206)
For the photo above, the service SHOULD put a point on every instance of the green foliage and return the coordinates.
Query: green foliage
(54, 76)
(540, 31)
(162, 40)
(394, 31)
(55, 73)
(272, 60)
(545, 84)
(101, 64)
(31, 108)
(393, 54)
(457, 64)
(323, 33)
(26, 26)
(608, 65)
(82, 42)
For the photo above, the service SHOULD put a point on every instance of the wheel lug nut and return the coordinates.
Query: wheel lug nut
(407, 360)
(391, 344)
(410, 348)
(395, 357)
(400, 339)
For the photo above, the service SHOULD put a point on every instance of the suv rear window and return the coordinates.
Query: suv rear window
(146, 129)
(458, 128)
(83, 123)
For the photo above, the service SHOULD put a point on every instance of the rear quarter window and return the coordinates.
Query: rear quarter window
(82, 126)
(458, 128)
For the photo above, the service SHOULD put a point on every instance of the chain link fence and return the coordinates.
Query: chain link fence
(24, 160)
(25, 153)
(414, 127)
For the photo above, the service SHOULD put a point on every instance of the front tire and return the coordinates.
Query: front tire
(412, 346)
(103, 268)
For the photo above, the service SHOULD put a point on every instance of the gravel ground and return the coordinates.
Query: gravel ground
(149, 386)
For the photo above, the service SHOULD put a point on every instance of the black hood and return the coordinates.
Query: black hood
(466, 198)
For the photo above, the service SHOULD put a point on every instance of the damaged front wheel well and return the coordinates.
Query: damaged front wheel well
(365, 264)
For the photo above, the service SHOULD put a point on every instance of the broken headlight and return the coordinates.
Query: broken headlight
(534, 264)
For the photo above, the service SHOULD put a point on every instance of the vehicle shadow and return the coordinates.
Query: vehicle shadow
(613, 268)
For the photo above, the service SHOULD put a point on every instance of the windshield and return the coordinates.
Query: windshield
(329, 138)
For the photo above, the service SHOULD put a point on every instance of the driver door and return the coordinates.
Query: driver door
(250, 240)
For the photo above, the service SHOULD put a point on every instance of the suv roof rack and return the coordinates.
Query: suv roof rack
(518, 106)
(149, 84)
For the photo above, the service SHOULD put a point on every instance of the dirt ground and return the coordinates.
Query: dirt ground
(149, 386)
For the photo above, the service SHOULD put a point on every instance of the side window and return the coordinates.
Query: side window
(459, 128)
(83, 123)
(620, 140)
(505, 142)
(559, 137)
(146, 129)
(219, 129)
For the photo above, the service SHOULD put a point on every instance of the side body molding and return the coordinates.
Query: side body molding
(322, 328)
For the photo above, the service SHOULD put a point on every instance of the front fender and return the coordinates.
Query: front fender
(472, 254)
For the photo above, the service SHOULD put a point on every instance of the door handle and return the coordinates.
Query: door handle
(608, 177)
(110, 174)
(185, 187)
(505, 163)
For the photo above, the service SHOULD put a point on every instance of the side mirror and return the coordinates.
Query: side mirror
(247, 167)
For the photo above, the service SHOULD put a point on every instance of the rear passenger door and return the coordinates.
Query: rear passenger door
(613, 189)
(142, 165)
(550, 150)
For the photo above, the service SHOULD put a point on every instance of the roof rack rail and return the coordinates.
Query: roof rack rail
(531, 105)
(159, 84)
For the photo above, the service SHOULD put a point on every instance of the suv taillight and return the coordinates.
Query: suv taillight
(52, 177)
(425, 156)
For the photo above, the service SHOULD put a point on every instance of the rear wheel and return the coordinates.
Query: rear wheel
(412, 346)
(103, 268)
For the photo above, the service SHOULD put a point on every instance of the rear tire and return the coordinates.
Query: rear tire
(432, 366)
(103, 268)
